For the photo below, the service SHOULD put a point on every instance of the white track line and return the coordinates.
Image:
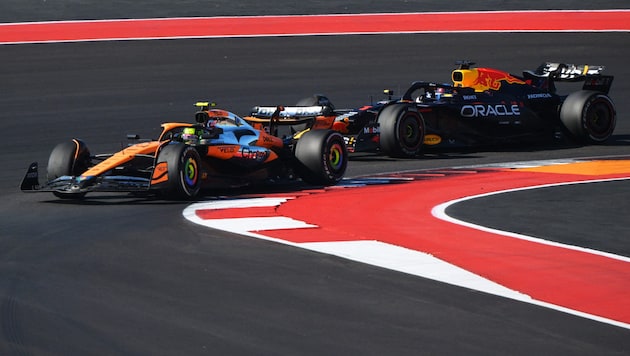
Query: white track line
(389, 256)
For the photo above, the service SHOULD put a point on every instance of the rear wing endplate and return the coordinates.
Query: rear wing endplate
(564, 72)
(598, 83)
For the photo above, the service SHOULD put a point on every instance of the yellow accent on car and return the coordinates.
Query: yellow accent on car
(432, 139)
(297, 135)
(204, 105)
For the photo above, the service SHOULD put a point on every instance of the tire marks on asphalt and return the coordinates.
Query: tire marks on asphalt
(12, 333)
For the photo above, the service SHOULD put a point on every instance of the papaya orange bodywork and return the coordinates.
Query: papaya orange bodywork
(323, 122)
(166, 127)
(160, 173)
(223, 152)
(269, 141)
(125, 155)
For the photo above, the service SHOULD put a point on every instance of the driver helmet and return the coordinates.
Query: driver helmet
(189, 134)
(438, 93)
(211, 123)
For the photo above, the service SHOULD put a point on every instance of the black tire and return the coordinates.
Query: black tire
(588, 116)
(70, 158)
(401, 130)
(322, 157)
(184, 175)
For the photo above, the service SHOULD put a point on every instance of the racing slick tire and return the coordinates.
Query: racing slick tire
(321, 156)
(184, 175)
(70, 158)
(401, 130)
(589, 116)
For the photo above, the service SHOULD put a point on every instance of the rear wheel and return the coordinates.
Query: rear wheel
(184, 176)
(589, 116)
(70, 158)
(401, 131)
(322, 157)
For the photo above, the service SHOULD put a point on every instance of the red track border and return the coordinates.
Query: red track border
(570, 277)
(303, 25)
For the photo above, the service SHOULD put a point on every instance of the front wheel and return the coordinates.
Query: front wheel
(589, 116)
(321, 157)
(183, 167)
(401, 130)
(70, 158)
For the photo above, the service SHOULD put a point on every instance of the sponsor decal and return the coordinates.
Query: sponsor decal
(371, 130)
(218, 113)
(481, 110)
(469, 97)
(490, 79)
(432, 139)
(253, 153)
(227, 149)
(597, 81)
(539, 96)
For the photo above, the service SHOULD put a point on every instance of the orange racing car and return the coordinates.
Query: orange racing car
(220, 150)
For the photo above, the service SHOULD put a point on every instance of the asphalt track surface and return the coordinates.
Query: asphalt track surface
(125, 276)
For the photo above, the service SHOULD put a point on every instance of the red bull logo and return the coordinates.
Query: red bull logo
(482, 79)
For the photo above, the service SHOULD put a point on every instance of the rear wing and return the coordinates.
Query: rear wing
(289, 115)
(563, 71)
(291, 111)
(589, 74)
(296, 118)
